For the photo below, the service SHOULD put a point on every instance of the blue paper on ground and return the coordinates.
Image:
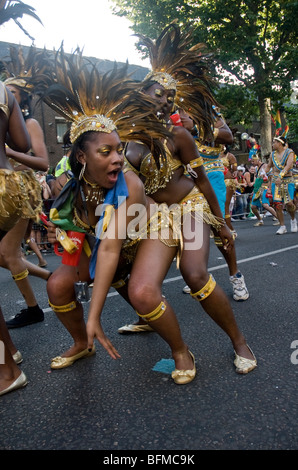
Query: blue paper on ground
(166, 366)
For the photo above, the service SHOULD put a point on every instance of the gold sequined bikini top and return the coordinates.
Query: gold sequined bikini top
(155, 178)
(3, 99)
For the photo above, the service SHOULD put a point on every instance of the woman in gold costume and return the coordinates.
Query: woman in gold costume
(179, 76)
(104, 110)
(17, 70)
(18, 197)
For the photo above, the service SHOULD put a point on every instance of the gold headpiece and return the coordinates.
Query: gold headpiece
(96, 122)
(178, 66)
(164, 79)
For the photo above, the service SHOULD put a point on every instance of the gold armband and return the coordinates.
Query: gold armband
(194, 164)
(281, 174)
(197, 162)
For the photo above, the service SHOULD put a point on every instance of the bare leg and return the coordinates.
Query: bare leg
(291, 209)
(193, 267)
(11, 258)
(9, 371)
(37, 271)
(34, 247)
(60, 288)
(280, 214)
(270, 209)
(256, 212)
(229, 195)
(149, 270)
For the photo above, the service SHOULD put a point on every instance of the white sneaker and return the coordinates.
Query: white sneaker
(259, 223)
(240, 291)
(282, 229)
(186, 290)
(294, 227)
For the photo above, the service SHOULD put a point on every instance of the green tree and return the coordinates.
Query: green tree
(254, 42)
(14, 10)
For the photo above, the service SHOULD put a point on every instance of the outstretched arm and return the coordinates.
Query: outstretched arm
(38, 161)
(108, 258)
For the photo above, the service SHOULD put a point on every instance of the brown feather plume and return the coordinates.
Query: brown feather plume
(75, 88)
(189, 66)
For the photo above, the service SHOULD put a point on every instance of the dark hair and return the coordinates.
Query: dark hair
(80, 144)
(66, 140)
(284, 140)
(25, 103)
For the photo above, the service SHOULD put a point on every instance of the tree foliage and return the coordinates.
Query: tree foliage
(254, 41)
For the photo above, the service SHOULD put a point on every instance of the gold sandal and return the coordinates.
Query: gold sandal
(244, 365)
(60, 362)
(182, 377)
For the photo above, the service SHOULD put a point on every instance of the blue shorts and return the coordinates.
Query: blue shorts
(260, 201)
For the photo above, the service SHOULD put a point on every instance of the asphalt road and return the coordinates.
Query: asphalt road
(125, 405)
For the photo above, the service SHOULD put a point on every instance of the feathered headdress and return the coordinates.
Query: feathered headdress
(17, 69)
(178, 66)
(91, 101)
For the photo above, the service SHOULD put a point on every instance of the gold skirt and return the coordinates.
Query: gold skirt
(166, 223)
(20, 197)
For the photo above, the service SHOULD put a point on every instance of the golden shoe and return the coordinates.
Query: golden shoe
(60, 362)
(182, 377)
(244, 365)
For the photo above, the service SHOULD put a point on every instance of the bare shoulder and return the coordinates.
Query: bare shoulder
(135, 187)
(33, 124)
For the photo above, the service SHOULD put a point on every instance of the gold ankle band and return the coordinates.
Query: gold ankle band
(20, 276)
(206, 290)
(155, 314)
(63, 308)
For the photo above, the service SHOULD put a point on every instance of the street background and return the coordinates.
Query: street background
(107, 405)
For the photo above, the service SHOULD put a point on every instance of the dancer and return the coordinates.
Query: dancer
(17, 70)
(214, 168)
(19, 195)
(179, 73)
(230, 177)
(105, 110)
(260, 197)
(283, 184)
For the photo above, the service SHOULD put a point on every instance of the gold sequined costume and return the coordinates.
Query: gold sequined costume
(20, 197)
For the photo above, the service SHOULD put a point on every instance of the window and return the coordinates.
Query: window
(61, 128)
